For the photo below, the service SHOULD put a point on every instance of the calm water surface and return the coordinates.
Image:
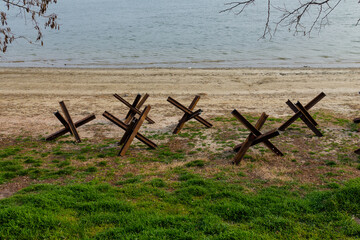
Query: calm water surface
(186, 33)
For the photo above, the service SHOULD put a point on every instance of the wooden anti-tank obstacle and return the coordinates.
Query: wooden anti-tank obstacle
(302, 113)
(131, 130)
(188, 113)
(254, 137)
(133, 124)
(135, 107)
(357, 151)
(69, 125)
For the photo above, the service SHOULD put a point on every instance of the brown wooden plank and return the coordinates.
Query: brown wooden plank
(142, 101)
(356, 120)
(293, 118)
(249, 140)
(240, 155)
(305, 117)
(292, 107)
(297, 115)
(131, 107)
(185, 116)
(194, 102)
(256, 132)
(308, 123)
(194, 114)
(313, 102)
(266, 136)
(181, 123)
(136, 104)
(61, 119)
(136, 128)
(131, 113)
(306, 114)
(267, 143)
(259, 123)
(66, 130)
(186, 110)
(245, 122)
(286, 124)
(128, 131)
(179, 105)
(122, 125)
(69, 121)
(264, 139)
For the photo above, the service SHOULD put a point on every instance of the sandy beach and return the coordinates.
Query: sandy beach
(29, 96)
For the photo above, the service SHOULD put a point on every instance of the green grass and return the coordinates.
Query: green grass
(9, 151)
(168, 193)
(194, 208)
(195, 163)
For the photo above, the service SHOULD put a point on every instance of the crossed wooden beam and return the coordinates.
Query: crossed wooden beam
(302, 113)
(131, 130)
(254, 137)
(69, 125)
(188, 113)
(135, 107)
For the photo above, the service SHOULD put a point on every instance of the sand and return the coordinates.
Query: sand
(29, 96)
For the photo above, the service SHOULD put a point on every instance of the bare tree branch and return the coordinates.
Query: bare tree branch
(295, 19)
(35, 9)
(234, 5)
(267, 27)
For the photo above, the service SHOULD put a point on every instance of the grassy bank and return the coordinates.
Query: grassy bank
(192, 208)
(187, 188)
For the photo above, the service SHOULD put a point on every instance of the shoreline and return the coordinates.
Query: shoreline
(197, 64)
(186, 68)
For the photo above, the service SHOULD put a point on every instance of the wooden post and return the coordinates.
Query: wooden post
(254, 137)
(133, 109)
(70, 122)
(131, 113)
(308, 106)
(135, 128)
(69, 126)
(122, 125)
(66, 130)
(307, 119)
(255, 131)
(244, 147)
(188, 113)
(185, 117)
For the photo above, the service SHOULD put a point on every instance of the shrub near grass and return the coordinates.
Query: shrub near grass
(194, 208)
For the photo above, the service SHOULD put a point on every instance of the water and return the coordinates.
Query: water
(186, 33)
